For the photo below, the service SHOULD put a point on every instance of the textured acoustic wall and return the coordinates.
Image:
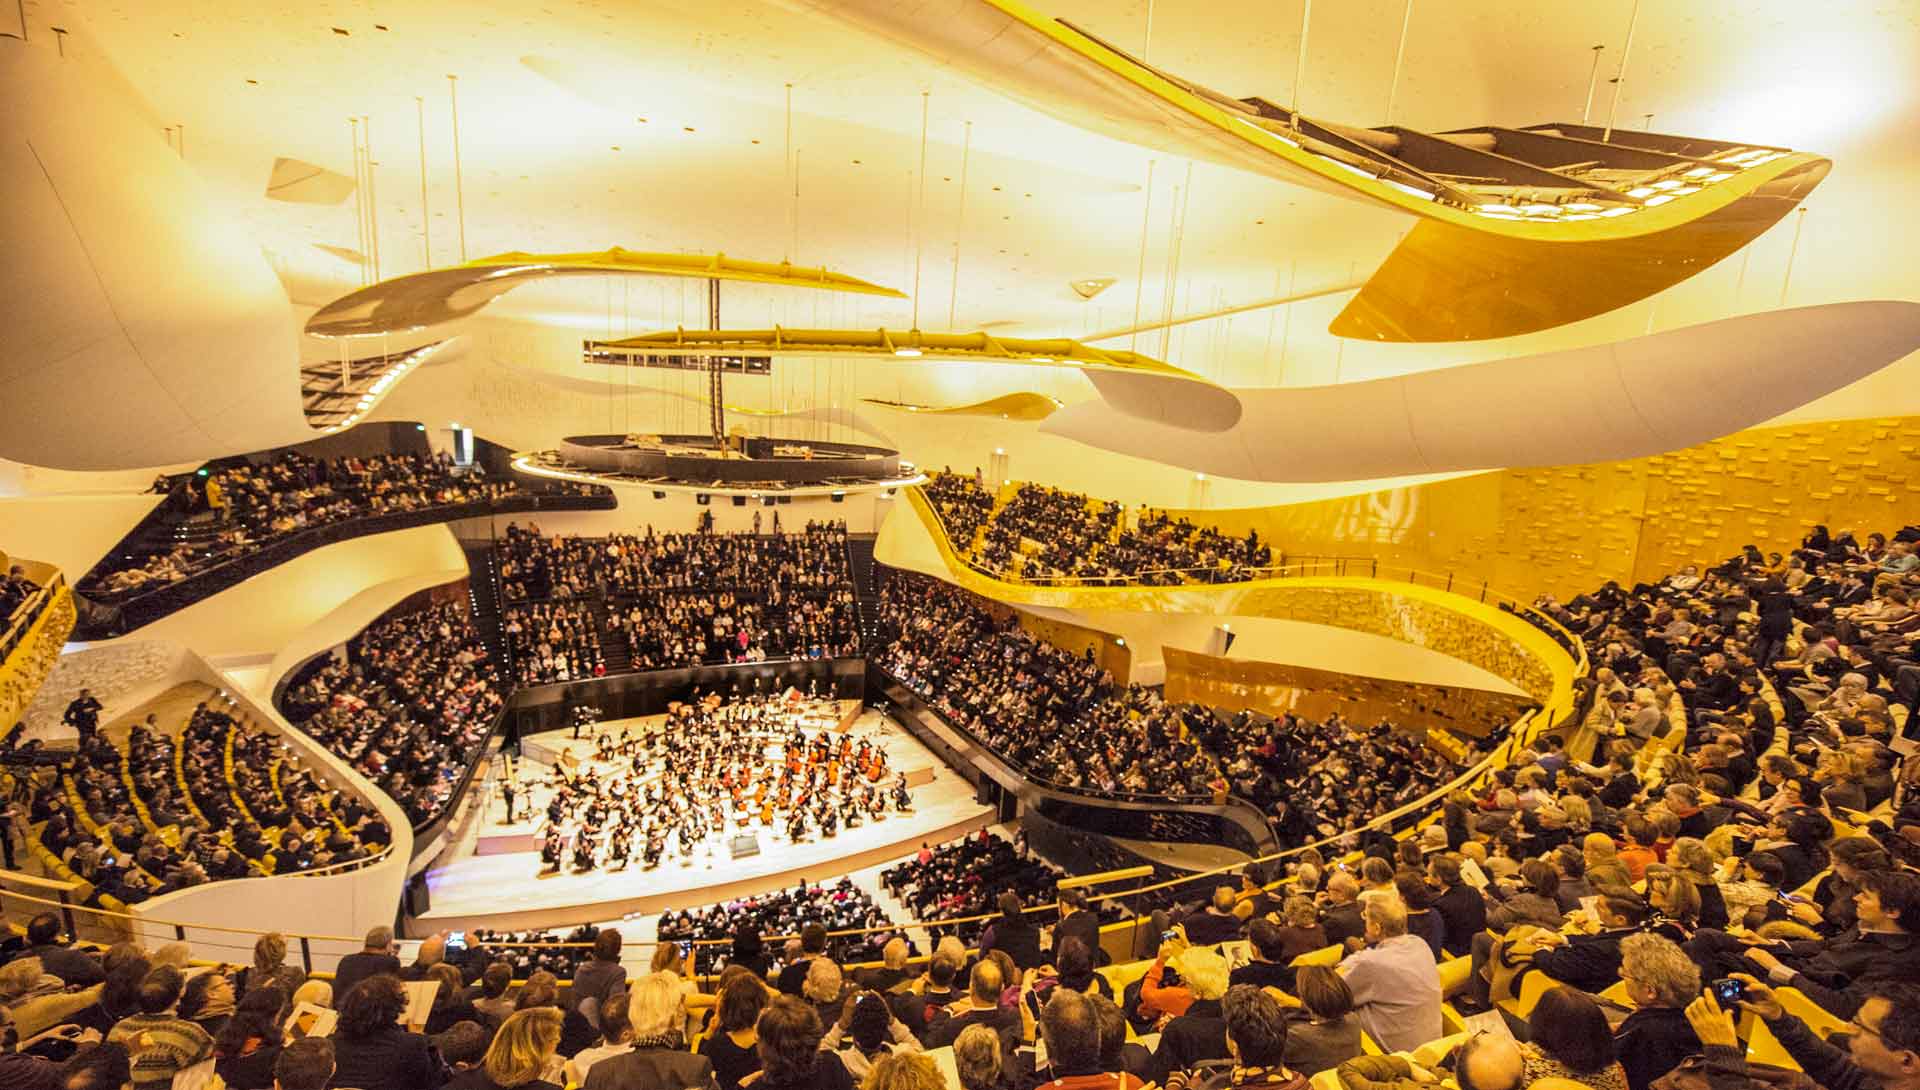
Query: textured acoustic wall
(1566, 529)
(1275, 688)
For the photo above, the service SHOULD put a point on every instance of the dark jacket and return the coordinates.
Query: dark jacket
(1829, 1065)
(1651, 1042)
(1464, 911)
(70, 965)
(1199, 1034)
(1343, 922)
(1002, 1020)
(1315, 1047)
(355, 968)
(1207, 927)
(1021, 942)
(392, 1059)
(598, 980)
(1082, 925)
(1588, 962)
(653, 1069)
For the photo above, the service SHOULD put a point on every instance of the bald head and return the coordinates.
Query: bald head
(1491, 1062)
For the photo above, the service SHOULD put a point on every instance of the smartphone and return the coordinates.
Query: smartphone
(1727, 990)
(456, 940)
(686, 948)
(1169, 935)
(1786, 898)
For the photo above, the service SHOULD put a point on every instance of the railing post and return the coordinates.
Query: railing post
(1483, 590)
(180, 932)
(306, 954)
(1449, 581)
(1373, 569)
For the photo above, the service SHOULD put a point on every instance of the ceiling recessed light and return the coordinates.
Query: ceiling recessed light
(379, 26)
(343, 33)
(996, 189)
(856, 162)
(686, 128)
(756, 141)
(642, 120)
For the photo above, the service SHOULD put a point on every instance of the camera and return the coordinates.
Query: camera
(1727, 990)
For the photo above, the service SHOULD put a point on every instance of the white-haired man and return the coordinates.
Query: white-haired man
(1395, 980)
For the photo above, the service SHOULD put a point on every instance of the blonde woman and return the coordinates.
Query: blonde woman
(668, 959)
(521, 1056)
(270, 966)
(905, 1071)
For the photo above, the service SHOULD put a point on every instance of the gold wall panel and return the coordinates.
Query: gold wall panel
(1277, 688)
(1567, 529)
(1472, 631)
(26, 669)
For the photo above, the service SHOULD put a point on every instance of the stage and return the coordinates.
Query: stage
(494, 878)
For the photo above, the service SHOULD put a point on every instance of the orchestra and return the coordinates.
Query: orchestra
(712, 770)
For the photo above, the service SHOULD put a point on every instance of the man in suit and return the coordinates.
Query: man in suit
(83, 715)
(1340, 911)
(376, 957)
(1460, 906)
(813, 943)
(1592, 962)
(73, 967)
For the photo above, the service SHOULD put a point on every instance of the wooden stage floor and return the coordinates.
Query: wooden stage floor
(493, 880)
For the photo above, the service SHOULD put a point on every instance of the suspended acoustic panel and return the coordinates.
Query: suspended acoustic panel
(299, 182)
(1616, 214)
(1015, 406)
(1139, 386)
(418, 300)
(1629, 399)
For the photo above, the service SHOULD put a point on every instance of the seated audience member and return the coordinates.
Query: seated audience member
(1256, 1042)
(977, 1060)
(1075, 972)
(1571, 1040)
(59, 958)
(789, 1051)
(375, 956)
(1461, 908)
(922, 1007)
(1077, 921)
(520, 1056)
(982, 1008)
(161, 1043)
(1324, 1033)
(602, 976)
(306, 1064)
(1591, 962)
(492, 1000)
(462, 1046)
(1835, 973)
(865, 1033)
(813, 944)
(1070, 1026)
(730, 1045)
(1417, 897)
(1340, 913)
(1487, 1061)
(1660, 982)
(1217, 922)
(1882, 1043)
(1274, 946)
(372, 1050)
(892, 973)
(1395, 980)
(1199, 1032)
(656, 1010)
(34, 1000)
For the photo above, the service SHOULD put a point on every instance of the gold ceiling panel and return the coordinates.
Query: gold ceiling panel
(1447, 282)
(1613, 215)
(408, 303)
(1016, 406)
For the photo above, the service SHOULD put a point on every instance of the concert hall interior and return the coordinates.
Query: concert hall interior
(959, 545)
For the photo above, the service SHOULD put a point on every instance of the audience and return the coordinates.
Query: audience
(842, 906)
(255, 505)
(409, 706)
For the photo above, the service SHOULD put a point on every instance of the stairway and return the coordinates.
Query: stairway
(483, 599)
(613, 642)
(866, 585)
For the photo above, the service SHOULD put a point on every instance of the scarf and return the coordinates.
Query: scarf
(668, 1040)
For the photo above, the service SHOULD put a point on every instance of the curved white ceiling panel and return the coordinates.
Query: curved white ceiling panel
(142, 327)
(1628, 399)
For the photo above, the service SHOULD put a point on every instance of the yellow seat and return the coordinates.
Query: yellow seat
(1454, 976)
(1818, 1019)
(1326, 1080)
(1532, 987)
(1764, 1048)
(1368, 1046)
(1617, 993)
(1122, 975)
(1326, 955)
(1433, 1051)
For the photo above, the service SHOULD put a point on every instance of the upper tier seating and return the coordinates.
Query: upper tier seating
(409, 707)
(1048, 535)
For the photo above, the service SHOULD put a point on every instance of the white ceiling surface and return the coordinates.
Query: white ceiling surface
(1628, 399)
(141, 326)
(548, 89)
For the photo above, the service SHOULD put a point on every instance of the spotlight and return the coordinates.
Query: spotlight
(702, 498)
(838, 497)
